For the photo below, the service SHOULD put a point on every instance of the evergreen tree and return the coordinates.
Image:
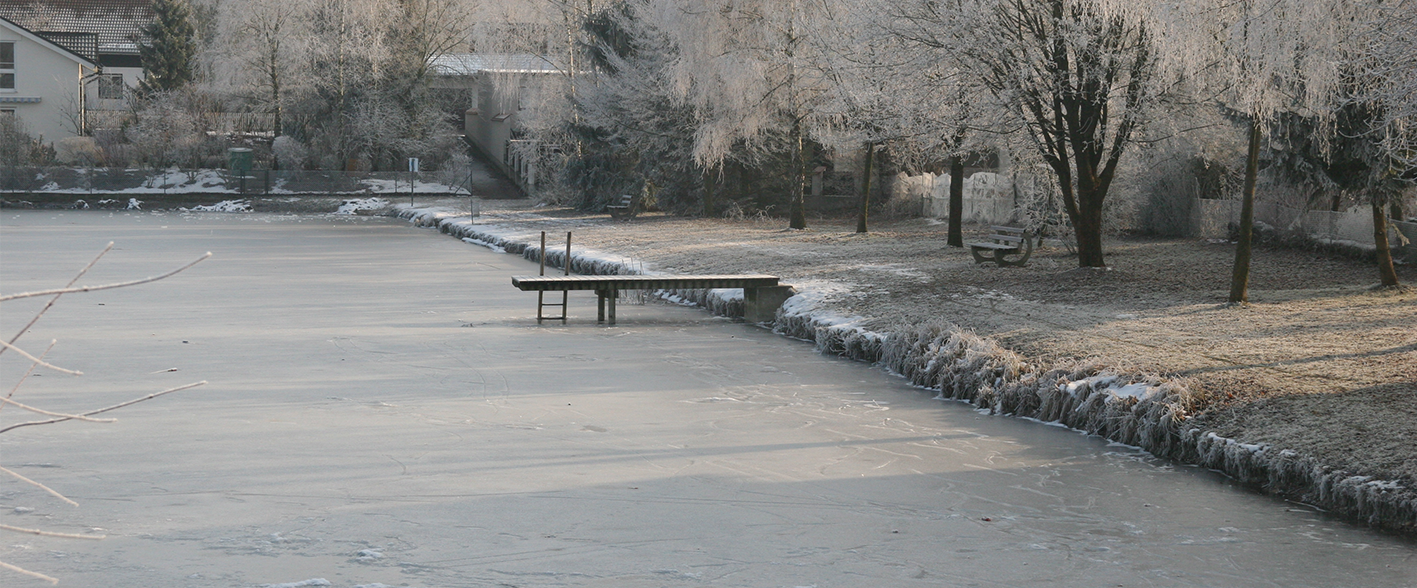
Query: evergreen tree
(170, 51)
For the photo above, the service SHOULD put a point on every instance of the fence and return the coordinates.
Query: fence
(68, 180)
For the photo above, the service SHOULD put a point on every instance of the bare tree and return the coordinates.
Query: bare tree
(265, 37)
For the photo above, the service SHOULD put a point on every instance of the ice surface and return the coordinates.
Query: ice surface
(381, 388)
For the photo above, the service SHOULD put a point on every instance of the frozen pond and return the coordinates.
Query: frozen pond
(384, 409)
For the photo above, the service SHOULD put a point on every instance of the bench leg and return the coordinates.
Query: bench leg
(980, 258)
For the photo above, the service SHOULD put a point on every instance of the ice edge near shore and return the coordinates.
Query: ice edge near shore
(1132, 409)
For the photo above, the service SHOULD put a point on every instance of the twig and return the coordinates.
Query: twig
(106, 409)
(103, 286)
(56, 296)
(26, 572)
(38, 485)
(38, 361)
(77, 417)
(4, 527)
(29, 371)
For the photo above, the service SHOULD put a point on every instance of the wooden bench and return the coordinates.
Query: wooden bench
(1004, 242)
(761, 293)
(624, 209)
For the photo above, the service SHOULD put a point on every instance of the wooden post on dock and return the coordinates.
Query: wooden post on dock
(565, 295)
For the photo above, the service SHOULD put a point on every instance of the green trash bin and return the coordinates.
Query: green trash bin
(239, 161)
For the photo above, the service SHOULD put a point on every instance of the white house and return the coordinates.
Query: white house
(42, 83)
(106, 32)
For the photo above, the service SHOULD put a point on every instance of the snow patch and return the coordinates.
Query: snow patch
(355, 205)
(223, 206)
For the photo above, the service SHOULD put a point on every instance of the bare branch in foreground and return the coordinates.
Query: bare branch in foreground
(26, 572)
(104, 286)
(77, 417)
(51, 302)
(4, 527)
(106, 409)
(30, 371)
(38, 485)
(38, 361)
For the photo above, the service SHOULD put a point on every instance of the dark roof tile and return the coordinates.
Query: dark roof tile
(116, 24)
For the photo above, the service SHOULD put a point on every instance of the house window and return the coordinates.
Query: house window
(7, 65)
(110, 86)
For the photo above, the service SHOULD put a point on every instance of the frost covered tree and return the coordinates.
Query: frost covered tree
(937, 103)
(634, 138)
(1079, 77)
(264, 36)
(1277, 56)
(747, 70)
(346, 44)
(168, 54)
(1343, 156)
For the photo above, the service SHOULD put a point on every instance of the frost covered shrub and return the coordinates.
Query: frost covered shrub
(170, 131)
(289, 152)
(18, 148)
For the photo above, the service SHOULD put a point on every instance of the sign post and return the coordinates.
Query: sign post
(412, 169)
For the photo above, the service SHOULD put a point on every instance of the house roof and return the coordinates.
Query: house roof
(57, 48)
(471, 64)
(115, 25)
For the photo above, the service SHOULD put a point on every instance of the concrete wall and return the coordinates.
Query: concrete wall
(1211, 219)
(46, 84)
(489, 125)
(988, 197)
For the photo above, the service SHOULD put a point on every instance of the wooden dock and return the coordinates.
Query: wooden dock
(759, 291)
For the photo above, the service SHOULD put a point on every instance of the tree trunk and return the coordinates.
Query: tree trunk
(866, 187)
(709, 185)
(1088, 227)
(956, 228)
(1385, 268)
(1240, 277)
(799, 180)
(1397, 212)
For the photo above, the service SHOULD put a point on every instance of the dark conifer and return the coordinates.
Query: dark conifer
(170, 50)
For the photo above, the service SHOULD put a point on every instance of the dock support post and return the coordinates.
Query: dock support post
(760, 304)
(613, 294)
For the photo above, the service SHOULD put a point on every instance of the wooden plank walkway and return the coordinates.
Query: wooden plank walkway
(608, 287)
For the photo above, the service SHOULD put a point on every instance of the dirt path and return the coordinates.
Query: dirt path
(1319, 363)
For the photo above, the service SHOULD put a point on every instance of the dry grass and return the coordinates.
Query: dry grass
(1319, 363)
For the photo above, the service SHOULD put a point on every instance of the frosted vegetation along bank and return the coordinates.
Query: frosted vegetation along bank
(1112, 111)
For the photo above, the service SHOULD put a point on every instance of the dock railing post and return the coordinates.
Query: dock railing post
(566, 294)
(541, 295)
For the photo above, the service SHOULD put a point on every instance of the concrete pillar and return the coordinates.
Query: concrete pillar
(760, 304)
